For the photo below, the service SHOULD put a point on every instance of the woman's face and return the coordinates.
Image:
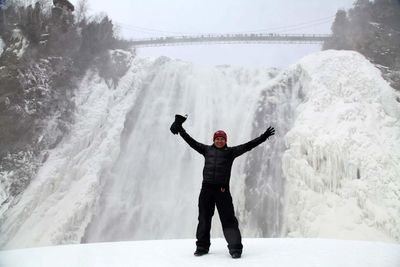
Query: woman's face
(219, 142)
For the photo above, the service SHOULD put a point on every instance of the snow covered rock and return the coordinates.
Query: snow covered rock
(2, 45)
(19, 44)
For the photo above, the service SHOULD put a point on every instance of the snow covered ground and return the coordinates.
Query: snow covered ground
(257, 252)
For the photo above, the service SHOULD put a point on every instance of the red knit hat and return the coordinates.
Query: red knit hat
(220, 133)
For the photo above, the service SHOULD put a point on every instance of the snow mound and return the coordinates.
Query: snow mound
(257, 252)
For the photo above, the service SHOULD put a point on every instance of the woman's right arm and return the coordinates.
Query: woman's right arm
(199, 147)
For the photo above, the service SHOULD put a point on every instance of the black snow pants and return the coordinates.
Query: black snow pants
(220, 196)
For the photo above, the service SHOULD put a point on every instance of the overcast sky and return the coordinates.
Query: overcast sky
(150, 18)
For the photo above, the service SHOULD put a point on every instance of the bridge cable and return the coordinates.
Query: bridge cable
(284, 28)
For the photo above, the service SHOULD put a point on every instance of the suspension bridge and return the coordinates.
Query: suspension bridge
(231, 39)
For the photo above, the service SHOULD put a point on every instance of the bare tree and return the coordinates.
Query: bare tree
(82, 8)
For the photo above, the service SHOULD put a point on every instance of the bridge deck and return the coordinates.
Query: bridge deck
(233, 38)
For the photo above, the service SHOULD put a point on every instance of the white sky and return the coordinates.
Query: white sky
(177, 17)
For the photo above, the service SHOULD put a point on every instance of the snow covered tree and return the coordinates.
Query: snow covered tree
(339, 29)
(373, 29)
(96, 38)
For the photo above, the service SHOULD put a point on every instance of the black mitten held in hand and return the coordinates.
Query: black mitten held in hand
(176, 126)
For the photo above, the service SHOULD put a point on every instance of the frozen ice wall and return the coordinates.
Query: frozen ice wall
(261, 206)
(343, 157)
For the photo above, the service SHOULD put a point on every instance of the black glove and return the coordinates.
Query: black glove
(176, 126)
(269, 132)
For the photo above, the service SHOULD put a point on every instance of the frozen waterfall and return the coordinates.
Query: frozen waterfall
(331, 170)
(153, 187)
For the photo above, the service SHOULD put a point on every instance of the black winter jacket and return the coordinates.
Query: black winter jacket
(218, 161)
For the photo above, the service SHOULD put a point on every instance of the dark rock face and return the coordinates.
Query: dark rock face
(35, 111)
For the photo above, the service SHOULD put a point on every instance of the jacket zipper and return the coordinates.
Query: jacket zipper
(215, 164)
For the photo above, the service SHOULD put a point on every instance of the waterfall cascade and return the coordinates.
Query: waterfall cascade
(121, 175)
